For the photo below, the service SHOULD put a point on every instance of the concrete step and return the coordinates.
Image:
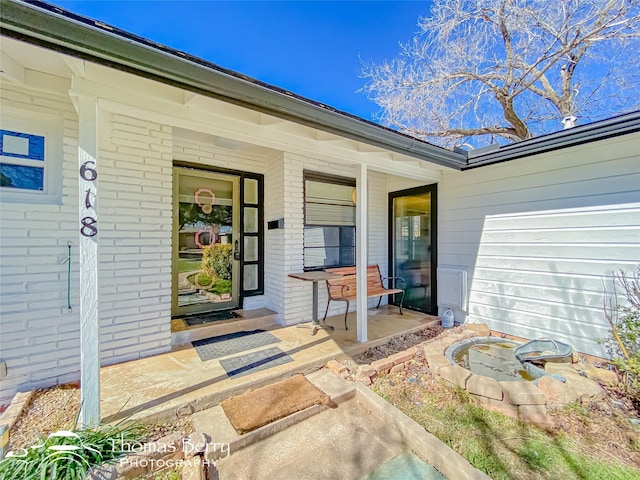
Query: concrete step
(214, 424)
(182, 334)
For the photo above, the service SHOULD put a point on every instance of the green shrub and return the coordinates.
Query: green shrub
(70, 454)
(221, 286)
(217, 260)
(204, 279)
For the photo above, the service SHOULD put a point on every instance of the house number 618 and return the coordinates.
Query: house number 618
(88, 173)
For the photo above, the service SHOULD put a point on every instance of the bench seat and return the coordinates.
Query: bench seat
(344, 288)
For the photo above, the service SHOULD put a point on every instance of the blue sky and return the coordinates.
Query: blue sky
(312, 48)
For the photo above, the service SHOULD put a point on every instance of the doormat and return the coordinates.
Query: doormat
(254, 362)
(210, 317)
(267, 404)
(236, 342)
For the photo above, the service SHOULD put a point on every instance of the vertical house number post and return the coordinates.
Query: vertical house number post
(89, 300)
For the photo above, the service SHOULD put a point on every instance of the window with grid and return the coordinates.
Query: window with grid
(329, 221)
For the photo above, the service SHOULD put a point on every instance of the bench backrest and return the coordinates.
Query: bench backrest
(348, 278)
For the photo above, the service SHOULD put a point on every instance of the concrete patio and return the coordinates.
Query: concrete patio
(179, 382)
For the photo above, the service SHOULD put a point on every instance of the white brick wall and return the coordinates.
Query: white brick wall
(274, 248)
(38, 335)
(203, 151)
(135, 191)
(39, 338)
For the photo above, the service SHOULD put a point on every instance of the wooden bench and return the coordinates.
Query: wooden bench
(343, 288)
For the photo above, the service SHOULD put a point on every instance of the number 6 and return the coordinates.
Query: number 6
(88, 173)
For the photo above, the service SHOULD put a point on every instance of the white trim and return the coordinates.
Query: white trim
(89, 292)
(361, 253)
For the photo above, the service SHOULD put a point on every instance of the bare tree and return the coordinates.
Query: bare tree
(481, 71)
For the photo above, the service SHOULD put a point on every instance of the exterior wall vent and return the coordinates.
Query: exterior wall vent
(452, 288)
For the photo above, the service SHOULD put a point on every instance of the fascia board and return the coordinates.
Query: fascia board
(611, 127)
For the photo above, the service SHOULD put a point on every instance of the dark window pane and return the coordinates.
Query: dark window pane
(19, 176)
(329, 246)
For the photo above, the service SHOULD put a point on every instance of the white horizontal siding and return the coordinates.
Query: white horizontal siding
(541, 236)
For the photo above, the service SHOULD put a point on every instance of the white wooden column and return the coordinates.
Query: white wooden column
(361, 253)
(89, 228)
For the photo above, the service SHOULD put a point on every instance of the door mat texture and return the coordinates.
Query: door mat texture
(254, 362)
(210, 317)
(236, 342)
(267, 404)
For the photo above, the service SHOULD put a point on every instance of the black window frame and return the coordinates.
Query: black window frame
(314, 176)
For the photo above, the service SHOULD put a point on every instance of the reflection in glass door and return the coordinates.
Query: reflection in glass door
(412, 243)
(205, 241)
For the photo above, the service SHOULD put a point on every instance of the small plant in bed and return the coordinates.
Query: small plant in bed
(204, 280)
(69, 454)
(221, 286)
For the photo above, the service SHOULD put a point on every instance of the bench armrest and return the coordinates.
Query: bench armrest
(399, 279)
(343, 289)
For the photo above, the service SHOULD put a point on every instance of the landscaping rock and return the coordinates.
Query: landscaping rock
(500, 406)
(480, 329)
(397, 368)
(14, 410)
(484, 387)
(382, 366)
(522, 393)
(336, 367)
(434, 348)
(195, 444)
(556, 393)
(365, 371)
(185, 410)
(586, 390)
(560, 368)
(193, 469)
(455, 375)
(451, 339)
(364, 374)
(575, 357)
(401, 357)
(601, 375)
(437, 361)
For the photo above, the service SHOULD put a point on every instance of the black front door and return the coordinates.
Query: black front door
(412, 245)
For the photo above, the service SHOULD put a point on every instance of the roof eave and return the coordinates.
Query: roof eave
(600, 130)
(51, 27)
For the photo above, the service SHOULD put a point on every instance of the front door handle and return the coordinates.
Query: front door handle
(236, 250)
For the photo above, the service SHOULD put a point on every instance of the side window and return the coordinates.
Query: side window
(22, 160)
(30, 159)
(329, 221)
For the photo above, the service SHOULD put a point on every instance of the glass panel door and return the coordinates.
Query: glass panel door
(413, 255)
(206, 241)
